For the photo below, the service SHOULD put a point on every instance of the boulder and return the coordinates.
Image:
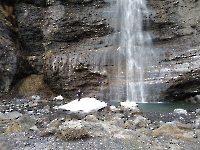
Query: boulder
(14, 128)
(180, 111)
(72, 130)
(129, 107)
(72, 134)
(198, 111)
(10, 115)
(49, 131)
(196, 123)
(168, 129)
(141, 121)
(183, 126)
(197, 98)
(91, 118)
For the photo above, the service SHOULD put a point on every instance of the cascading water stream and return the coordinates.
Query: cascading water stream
(134, 54)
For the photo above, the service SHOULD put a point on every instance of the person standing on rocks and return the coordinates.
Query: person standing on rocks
(79, 94)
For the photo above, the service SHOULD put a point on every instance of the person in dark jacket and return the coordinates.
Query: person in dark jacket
(79, 94)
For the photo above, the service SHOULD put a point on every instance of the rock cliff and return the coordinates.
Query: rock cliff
(70, 43)
(175, 28)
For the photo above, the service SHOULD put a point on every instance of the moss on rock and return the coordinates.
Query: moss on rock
(72, 134)
(32, 85)
(14, 127)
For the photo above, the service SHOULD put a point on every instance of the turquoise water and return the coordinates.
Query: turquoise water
(162, 106)
(167, 106)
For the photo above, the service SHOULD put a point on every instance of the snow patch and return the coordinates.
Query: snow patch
(85, 105)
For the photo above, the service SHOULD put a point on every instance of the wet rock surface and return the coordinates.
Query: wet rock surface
(43, 127)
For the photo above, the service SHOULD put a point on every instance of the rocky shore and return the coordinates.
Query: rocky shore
(34, 124)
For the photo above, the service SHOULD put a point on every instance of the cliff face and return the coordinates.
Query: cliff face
(12, 61)
(61, 39)
(70, 43)
(175, 28)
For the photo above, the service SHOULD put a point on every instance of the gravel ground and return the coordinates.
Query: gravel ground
(30, 140)
(26, 141)
(23, 141)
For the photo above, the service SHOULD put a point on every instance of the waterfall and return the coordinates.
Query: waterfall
(133, 53)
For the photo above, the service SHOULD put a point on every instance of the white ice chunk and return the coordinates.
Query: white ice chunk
(85, 104)
(58, 97)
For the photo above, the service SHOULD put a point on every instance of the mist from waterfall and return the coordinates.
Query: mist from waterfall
(133, 53)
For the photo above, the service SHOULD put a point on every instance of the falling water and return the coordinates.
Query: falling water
(133, 51)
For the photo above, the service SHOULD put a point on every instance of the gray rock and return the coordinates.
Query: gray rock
(198, 111)
(49, 131)
(34, 128)
(184, 126)
(77, 124)
(10, 115)
(179, 111)
(91, 118)
(197, 98)
(141, 121)
(196, 123)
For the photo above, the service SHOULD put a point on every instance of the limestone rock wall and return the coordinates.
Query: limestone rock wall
(70, 42)
(175, 29)
(13, 64)
(64, 40)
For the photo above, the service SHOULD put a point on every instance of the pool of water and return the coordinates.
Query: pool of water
(167, 106)
(162, 106)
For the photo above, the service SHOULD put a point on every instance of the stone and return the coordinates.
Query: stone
(141, 121)
(72, 130)
(179, 111)
(10, 115)
(91, 118)
(168, 129)
(196, 123)
(197, 98)
(71, 124)
(58, 98)
(14, 128)
(197, 111)
(49, 131)
(129, 108)
(114, 109)
(129, 124)
(35, 97)
(184, 126)
(34, 128)
(56, 122)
